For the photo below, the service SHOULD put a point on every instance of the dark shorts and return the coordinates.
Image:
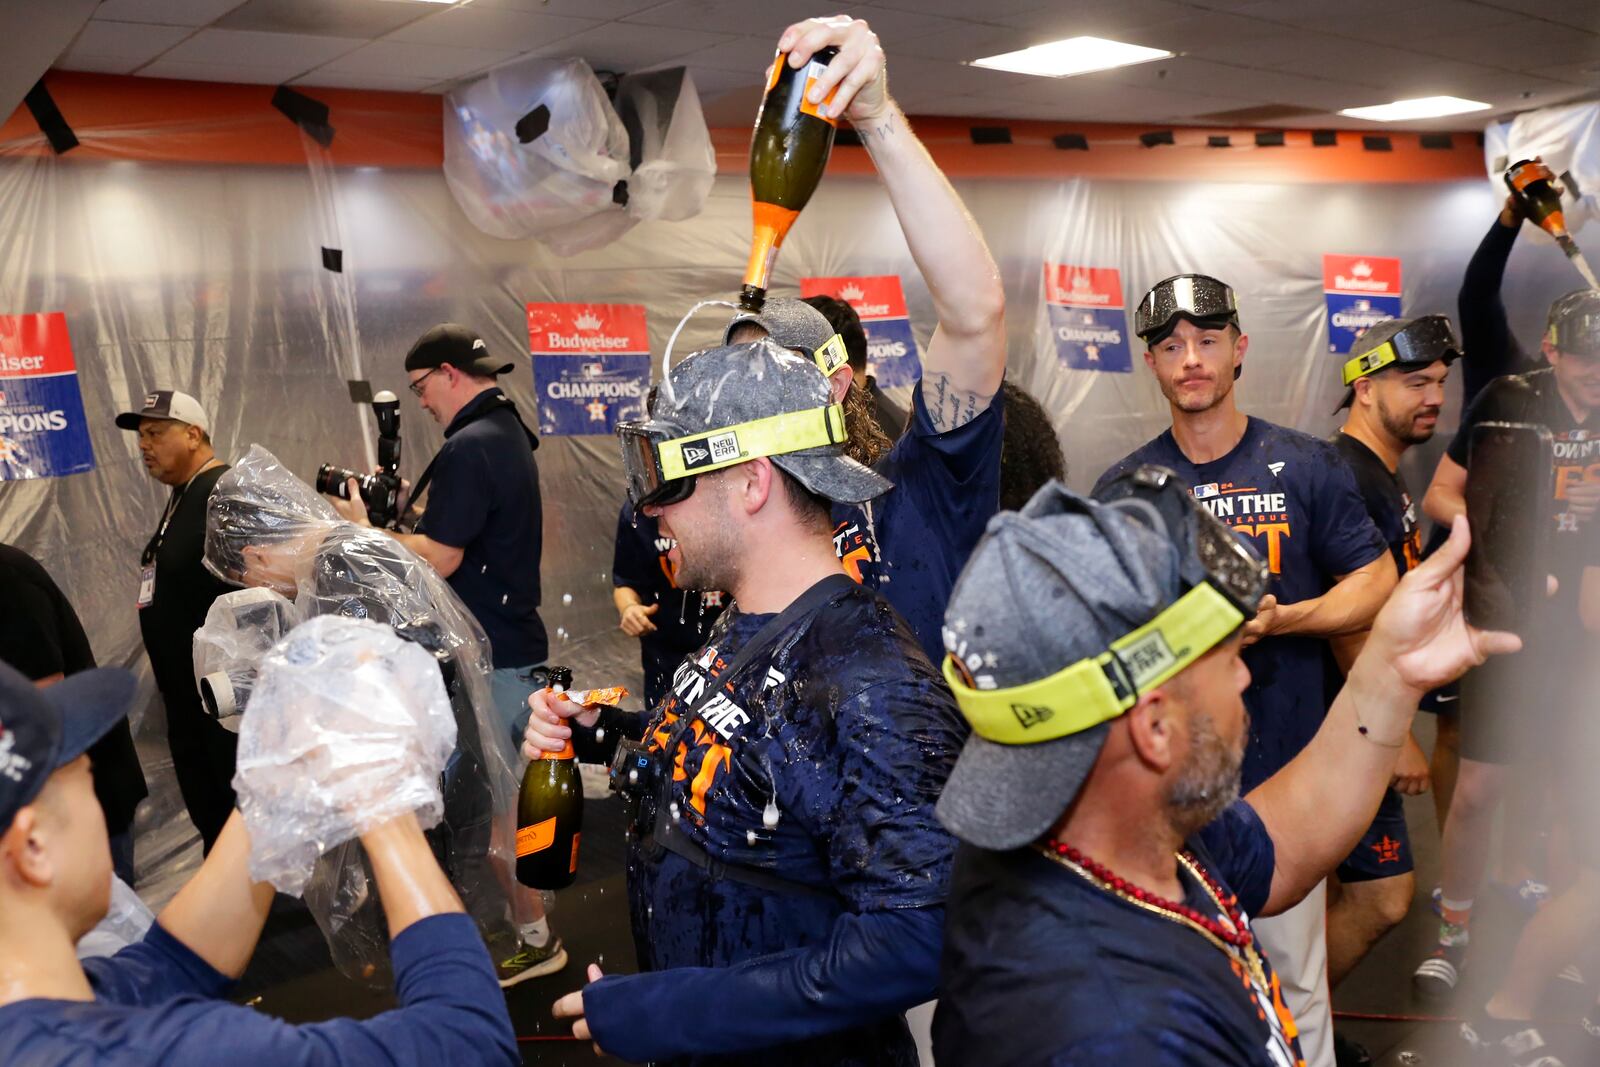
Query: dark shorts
(1446, 700)
(1385, 849)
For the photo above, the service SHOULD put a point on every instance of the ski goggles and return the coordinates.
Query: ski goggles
(1421, 341)
(1197, 297)
(1575, 324)
(1100, 688)
(661, 468)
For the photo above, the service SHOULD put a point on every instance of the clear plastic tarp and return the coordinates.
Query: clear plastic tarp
(1567, 138)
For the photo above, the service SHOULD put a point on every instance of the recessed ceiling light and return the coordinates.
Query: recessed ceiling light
(1074, 55)
(1423, 107)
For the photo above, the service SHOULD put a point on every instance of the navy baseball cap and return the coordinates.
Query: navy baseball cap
(43, 730)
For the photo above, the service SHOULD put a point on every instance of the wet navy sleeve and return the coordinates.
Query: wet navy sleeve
(1343, 537)
(1244, 854)
(953, 476)
(451, 1011)
(870, 966)
(458, 502)
(153, 970)
(1488, 346)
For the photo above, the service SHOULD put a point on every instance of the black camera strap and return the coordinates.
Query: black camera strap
(490, 407)
(669, 837)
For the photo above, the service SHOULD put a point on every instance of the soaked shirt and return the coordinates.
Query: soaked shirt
(1042, 967)
(1534, 398)
(1388, 501)
(684, 618)
(1293, 498)
(819, 764)
(911, 543)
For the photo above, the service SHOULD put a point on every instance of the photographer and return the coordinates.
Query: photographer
(266, 528)
(161, 1002)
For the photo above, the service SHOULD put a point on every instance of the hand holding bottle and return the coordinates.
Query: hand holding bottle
(857, 77)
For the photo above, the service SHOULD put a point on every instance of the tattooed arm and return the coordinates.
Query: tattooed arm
(966, 358)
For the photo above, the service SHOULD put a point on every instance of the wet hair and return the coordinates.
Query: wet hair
(1030, 452)
(868, 443)
(847, 324)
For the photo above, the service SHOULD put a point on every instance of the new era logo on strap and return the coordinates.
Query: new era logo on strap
(693, 456)
(1030, 715)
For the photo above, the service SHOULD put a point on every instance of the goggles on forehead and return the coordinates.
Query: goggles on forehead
(1423, 340)
(1193, 296)
(1100, 688)
(661, 469)
(1575, 324)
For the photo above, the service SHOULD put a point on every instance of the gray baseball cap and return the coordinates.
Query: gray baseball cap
(1052, 584)
(720, 388)
(792, 323)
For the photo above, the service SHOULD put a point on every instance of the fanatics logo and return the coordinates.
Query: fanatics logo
(1275, 468)
(1031, 715)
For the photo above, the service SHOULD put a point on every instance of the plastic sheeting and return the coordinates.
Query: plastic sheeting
(1568, 139)
(239, 631)
(210, 280)
(127, 920)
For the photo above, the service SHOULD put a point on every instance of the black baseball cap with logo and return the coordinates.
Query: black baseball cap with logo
(44, 729)
(167, 404)
(452, 343)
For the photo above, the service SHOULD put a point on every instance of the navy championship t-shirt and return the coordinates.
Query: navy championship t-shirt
(819, 764)
(1042, 967)
(640, 562)
(1295, 500)
(1388, 501)
(911, 543)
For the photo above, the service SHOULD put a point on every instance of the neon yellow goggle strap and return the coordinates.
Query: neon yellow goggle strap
(1093, 691)
(772, 436)
(832, 355)
(1367, 362)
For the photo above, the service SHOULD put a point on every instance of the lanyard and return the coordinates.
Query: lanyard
(154, 545)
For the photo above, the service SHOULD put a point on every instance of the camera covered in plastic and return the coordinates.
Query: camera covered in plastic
(240, 628)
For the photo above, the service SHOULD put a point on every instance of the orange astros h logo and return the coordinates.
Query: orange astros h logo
(1388, 850)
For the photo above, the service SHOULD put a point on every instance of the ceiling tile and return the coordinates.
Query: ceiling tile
(363, 19)
(894, 26)
(395, 82)
(967, 42)
(1583, 14)
(134, 41)
(417, 60)
(594, 9)
(1521, 45)
(622, 46)
(472, 26)
(748, 55)
(1412, 24)
(734, 16)
(249, 48)
(166, 12)
(273, 74)
(964, 9)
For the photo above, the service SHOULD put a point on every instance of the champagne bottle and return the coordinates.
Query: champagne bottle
(1530, 182)
(550, 819)
(788, 153)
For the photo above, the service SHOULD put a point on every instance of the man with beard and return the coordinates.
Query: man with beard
(1100, 908)
(909, 544)
(1296, 501)
(786, 873)
(1395, 378)
(1506, 708)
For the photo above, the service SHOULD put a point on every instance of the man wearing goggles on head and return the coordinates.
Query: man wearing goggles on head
(910, 543)
(1394, 389)
(786, 866)
(1101, 909)
(1297, 503)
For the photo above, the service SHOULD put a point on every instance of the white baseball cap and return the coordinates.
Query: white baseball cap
(167, 404)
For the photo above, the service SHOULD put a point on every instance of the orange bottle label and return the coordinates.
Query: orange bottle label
(812, 73)
(537, 838)
(771, 227)
(565, 753)
(572, 868)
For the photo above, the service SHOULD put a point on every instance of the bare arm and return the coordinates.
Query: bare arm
(1447, 493)
(966, 357)
(220, 912)
(1348, 608)
(1318, 806)
(442, 558)
(410, 882)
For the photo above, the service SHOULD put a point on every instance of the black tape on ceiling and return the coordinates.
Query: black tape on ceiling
(1269, 139)
(1324, 138)
(1219, 140)
(333, 259)
(1376, 142)
(360, 391)
(1069, 142)
(1157, 137)
(48, 116)
(309, 114)
(991, 135)
(1437, 140)
(531, 126)
(1569, 182)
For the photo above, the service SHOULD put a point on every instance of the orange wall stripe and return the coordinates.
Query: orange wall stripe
(159, 120)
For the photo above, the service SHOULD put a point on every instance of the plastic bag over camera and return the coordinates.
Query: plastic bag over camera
(267, 528)
(349, 727)
(533, 147)
(126, 921)
(674, 164)
(240, 629)
(1567, 138)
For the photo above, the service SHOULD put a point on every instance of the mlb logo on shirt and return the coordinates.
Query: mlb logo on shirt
(1201, 492)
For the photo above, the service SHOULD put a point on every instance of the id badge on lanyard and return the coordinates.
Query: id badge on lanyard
(147, 584)
(147, 563)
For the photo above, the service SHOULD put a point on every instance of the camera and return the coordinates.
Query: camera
(240, 628)
(379, 491)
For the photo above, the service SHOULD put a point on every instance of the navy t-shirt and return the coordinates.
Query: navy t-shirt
(1042, 967)
(156, 1005)
(641, 563)
(1388, 501)
(911, 543)
(1292, 497)
(847, 734)
(484, 500)
(1535, 398)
